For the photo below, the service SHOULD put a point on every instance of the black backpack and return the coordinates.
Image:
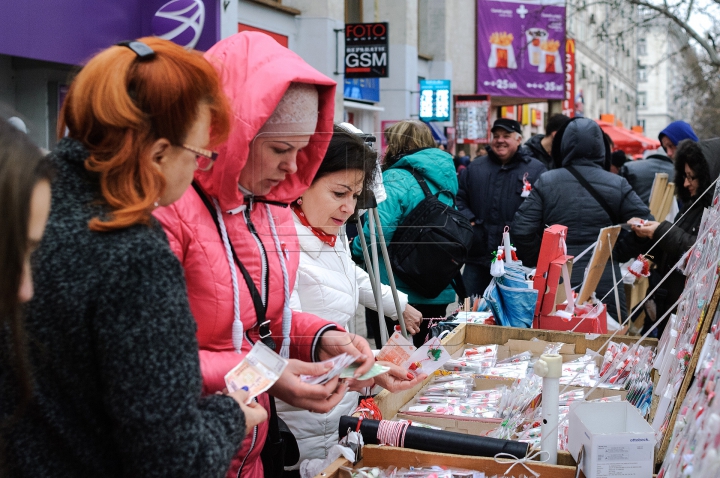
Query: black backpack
(431, 245)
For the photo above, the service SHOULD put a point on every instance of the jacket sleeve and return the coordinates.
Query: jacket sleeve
(673, 240)
(305, 333)
(630, 245)
(462, 195)
(148, 370)
(528, 226)
(174, 229)
(367, 299)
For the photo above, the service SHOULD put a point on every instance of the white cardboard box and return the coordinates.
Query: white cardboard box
(618, 441)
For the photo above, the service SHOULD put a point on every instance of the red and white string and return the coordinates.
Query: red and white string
(392, 432)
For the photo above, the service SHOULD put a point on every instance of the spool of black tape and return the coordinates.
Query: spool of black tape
(439, 441)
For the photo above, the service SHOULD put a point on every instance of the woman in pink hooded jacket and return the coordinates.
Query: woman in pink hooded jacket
(282, 124)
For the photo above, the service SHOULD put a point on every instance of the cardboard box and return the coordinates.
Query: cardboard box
(391, 403)
(617, 440)
(481, 426)
(386, 456)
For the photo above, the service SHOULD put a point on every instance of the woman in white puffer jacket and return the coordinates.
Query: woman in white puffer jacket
(329, 284)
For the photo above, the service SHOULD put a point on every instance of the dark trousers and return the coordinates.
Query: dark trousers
(427, 310)
(476, 279)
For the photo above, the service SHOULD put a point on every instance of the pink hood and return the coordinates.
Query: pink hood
(255, 71)
(254, 93)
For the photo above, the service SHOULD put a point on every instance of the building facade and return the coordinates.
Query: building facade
(428, 39)
(663, 53)
(606, 59)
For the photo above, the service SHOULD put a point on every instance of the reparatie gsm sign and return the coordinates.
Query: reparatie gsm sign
(366, 50)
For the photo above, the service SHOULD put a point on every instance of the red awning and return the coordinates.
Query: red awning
(630, 142)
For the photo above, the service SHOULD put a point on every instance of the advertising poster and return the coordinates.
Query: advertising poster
(520, 47)
(569, 100)
(472, 122)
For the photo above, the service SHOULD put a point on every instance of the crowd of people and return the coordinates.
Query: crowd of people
(195, 205)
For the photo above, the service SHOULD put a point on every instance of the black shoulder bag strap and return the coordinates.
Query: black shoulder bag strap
(260, 308)
(423, 185)
(274, 440)
(601, 200)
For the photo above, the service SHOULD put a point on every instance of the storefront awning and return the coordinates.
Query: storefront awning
(630, 142)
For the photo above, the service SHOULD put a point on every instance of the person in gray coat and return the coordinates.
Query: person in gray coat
(641, 173)
(559, 198)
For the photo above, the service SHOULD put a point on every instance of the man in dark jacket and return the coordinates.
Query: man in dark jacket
(490, 191)
(559, 198)
(540, 145)
(641, 173)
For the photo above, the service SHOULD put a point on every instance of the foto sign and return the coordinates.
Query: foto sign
(435, 100)
(366, 50)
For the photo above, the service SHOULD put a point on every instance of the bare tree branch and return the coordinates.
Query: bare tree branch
(713, 57)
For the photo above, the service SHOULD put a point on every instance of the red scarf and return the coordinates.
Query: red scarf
(328, 239)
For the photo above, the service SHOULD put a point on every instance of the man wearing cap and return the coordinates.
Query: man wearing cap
(491, 190)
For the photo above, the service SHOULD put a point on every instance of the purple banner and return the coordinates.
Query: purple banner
(72, 31)
(520, 48)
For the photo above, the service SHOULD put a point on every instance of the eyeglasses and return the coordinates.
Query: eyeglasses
(204, 157)
(689, 177)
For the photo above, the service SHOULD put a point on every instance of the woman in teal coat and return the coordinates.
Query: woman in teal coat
(411, 147)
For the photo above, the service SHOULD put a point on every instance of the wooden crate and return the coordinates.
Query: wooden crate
(385, 456)
(477, 334)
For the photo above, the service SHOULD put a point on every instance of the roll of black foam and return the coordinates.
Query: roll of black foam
(439, 441)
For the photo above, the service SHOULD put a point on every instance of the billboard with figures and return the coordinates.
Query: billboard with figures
(520, 48)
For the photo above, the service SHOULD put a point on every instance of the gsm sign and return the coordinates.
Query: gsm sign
(365, 30)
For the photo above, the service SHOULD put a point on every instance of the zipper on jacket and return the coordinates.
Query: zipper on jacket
(263, 256)
(252, 447)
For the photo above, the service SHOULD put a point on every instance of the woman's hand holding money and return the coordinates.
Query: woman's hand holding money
(317, 398)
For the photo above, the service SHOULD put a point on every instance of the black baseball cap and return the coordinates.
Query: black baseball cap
(508, 125)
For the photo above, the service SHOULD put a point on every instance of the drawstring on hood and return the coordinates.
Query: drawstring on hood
(237, 326)
(287, 312)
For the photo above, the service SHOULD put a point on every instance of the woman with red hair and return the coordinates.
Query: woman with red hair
(111, 339)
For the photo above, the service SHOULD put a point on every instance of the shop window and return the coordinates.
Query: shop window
(353, 11)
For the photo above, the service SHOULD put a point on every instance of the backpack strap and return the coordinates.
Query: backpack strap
(421, 181)
(593, 192)
(423, 185)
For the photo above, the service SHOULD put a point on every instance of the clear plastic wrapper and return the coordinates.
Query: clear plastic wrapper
(521, 357)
